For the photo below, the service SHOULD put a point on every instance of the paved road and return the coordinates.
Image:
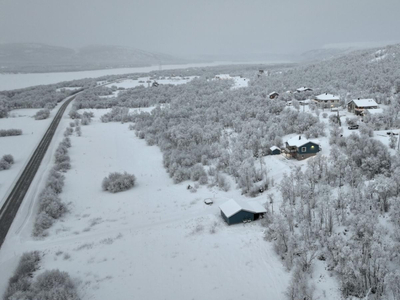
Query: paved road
(10, 207)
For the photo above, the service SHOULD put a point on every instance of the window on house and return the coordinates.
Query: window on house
(303, 149)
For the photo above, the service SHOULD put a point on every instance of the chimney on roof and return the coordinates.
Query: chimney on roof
(299, 137)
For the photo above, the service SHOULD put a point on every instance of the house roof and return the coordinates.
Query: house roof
(304, 88)
(273, 93)
(294, 141)
(327, 97)
(364, 102)
(232, 207)
(374, 111)
(274, 148)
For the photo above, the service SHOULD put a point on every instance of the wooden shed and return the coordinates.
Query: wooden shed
(275, 150)
(234, 211)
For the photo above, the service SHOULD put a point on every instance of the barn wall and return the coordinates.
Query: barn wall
(240, 216)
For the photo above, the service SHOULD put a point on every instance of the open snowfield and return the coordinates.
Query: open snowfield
(17, 81)
(154, 241)
(22, 146)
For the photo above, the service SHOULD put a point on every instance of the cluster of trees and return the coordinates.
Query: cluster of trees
(52, 284)
(335, 210)
(42, 114)
(117, 182)
(357, 74)
(211, 124)
(10, 132)
(51, 207)
(6, 161)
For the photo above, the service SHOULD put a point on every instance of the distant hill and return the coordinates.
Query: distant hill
(31, 57)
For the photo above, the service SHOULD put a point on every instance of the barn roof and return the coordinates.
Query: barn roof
(326, 96)
(365, 102)
(295, 141)
(303, 89)
(232, 207)
(274, 148)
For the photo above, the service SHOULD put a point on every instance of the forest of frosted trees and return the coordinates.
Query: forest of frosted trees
(343, 209)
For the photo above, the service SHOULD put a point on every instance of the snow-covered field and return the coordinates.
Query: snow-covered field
(17, 81)
(155, 241)
(20, 147)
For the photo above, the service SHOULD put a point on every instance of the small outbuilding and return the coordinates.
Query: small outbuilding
(273, 95)
(275, 150)
(235, 211)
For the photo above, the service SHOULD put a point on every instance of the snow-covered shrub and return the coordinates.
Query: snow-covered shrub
(366, 130)
(72, 124)
(20, 283)
(10, 132)
(42, 114)
(117, 114)
(42, 222)
(203, 179)
(197, 171)
(66, 142)
(73, 113)
(222, 182)
(118, 182)
(8, 158)
(324, 115)
(78, 130)
(51, 204)
(6, 161)
(63, 166)
(54, 285)
(68, 131)
(55, 181)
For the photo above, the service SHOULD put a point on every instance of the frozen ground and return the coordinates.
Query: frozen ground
(155, 241)
(17, 81)
(22, 146)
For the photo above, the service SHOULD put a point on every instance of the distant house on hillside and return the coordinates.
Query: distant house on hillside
(300, 148)
(155, 84)
(304, 89)
(273, 95)
(234, 211)
(327, 100)
(358, 106)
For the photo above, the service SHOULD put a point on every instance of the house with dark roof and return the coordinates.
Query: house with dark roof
(301, 148)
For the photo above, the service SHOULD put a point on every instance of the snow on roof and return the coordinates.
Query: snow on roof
(274, 148)
(365, 102)
(295, 141)
(231, 207)
(327, 97)
(374, 111)
(303, 88)
(273, 93)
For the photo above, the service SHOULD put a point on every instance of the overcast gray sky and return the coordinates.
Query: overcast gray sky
(202, 26)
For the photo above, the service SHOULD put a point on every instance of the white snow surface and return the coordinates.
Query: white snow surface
(9, 81)
(232, 206)
(155, 241)
(21, 147)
